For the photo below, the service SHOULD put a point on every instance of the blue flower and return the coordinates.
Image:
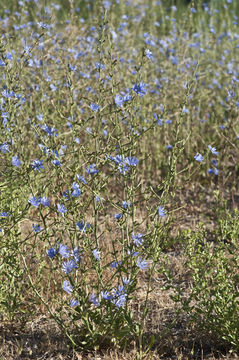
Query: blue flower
(63, 250)
(213, 171)
(53, 87)
(94, 107)
(126, 204)
(198, 157)
(56, 162)
(213, 150)
(140, 89)
(106, 295)
(74, 303)
(96, 254)
(16, 161)
(37, 165)
(142, 264)
(50, 131)
(52, 252)
(4, 213)
(138, 239)
(118, 216)
(76, 190)
(94, 300)
(36, 228)
(76, 254)
(127, 281)
(72, 67)
(120, 100)
(131, 161)
(149, 54)
(67, 287)
(45, 201)
(115, 264)
(68, 266)
(161, 211)
(34, 201)
(82, 226)
(91, 169)
(81, 178)
(4, 148)
(62, 209)
(119, 296)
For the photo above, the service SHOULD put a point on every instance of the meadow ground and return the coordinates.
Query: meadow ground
(119, 199)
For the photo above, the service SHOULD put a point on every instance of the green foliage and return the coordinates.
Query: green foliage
(212, 302)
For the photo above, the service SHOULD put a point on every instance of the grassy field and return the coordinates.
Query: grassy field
(119, 195)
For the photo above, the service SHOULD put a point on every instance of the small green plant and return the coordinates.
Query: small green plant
(212, 301)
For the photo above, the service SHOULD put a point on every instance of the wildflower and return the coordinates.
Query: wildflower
(138, 239)
(131, 161)
(35, 201)
(119, 296)
(37, 165)
(4, 148)
(72, 67)
(120, 100)
(198, 157)
(213, 171)
(140, 89)
(82, 179)
(149, 54)
(94, 300)
(68, 266)
(94, 107)
(213, 150)
(16, 161)
(4, 213)
(74, 303)
(50, 131)
(82, 226)
(123, 169)
(106, 295)
(98, 199)
(76, 190)
(96, 254)
(127, 281)
(118, 216)
(56, 162)
(126, 204)
(185, 110)
(52, 252)
(45, 201)
(63, 251)
(91, 169)
(76, 254)
(36, 228)
(67, 286)
(161, 211)
(115, 264)
(62, 209)
(53, 87)
(142, 264)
